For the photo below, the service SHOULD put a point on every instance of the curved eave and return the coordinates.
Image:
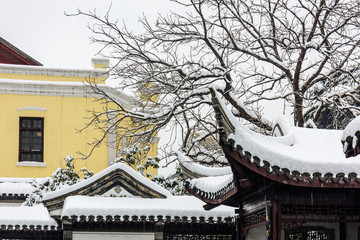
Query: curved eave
(189, 173)
(225, 196)
(276, 173)
(283, 175)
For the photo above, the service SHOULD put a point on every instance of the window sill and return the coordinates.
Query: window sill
(31, 164)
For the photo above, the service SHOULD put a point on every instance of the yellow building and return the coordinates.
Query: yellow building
(41, 110)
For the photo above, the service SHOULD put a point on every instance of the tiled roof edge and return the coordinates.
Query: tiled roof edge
(293, 177)
(154, 219)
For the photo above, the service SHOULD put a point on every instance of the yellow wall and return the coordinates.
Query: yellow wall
(63, 115)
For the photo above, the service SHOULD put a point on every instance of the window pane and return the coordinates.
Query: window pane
(37, 134)
(25, 140)
(25, 133)
(25, 147)
(23, 123)
(36, 157)
(36, 147)
(28, 123)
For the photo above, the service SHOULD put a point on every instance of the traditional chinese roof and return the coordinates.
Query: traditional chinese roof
(15, 189)
(118, 174)
(25, 218)
(10, 54)
(83, 208)
(293, 156)
(192, 169)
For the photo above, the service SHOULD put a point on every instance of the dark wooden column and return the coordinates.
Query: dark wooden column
(343, 230)
(273, 227)
(239, 222)
(276, 208)
(269, 221)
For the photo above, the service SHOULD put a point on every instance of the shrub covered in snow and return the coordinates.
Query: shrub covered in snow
(134, 157)
(61, 178)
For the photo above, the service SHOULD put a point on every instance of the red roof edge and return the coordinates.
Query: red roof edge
(9, 54)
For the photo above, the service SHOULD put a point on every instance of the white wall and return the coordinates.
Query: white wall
(258, 233)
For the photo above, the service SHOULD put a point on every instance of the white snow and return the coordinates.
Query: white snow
(15, 188)
(54, 69)
(49, 83)
(175, 206)
(101, 174)
(314, 150)
(5, 179)
(350, 130)
(212, 184)
(288, 136)
(202, 170)
(36, 215)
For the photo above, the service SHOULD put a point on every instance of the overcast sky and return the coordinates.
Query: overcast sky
(40, 28)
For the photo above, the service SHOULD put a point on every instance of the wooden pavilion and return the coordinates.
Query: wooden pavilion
(296, 184)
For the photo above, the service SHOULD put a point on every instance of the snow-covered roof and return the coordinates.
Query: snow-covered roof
(212, 184)
(179, 206)
(52, 71)
(92, 186)
(24, 215)
(295, 156)
(15, 188)
(61, 88)
(313, 150)
(194, 170)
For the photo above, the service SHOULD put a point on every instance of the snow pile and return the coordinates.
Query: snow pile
(121, 166)
(350, 131)
(181, 206)
(212, 184)
(36, 215)
(283, 131)
(201, 170)
(314, 150)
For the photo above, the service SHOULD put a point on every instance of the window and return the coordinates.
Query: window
(31, 139)
(309, 233)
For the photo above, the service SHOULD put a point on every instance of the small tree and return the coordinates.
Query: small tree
(62, 177)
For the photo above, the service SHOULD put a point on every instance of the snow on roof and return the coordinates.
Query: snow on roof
(122, 166)
(314, 150)
(15, 188)
(24, 215)
(51, 71)
(198, 169)
(67, 88)
(5, 179)
(181, 206)
(212, 184)
(350, 131)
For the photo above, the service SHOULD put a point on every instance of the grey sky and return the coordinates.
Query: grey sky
(40, 28)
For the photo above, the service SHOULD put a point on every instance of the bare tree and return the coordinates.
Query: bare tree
(304, 52)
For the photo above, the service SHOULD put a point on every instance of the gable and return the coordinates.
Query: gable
(118, 175)
(9, 54)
